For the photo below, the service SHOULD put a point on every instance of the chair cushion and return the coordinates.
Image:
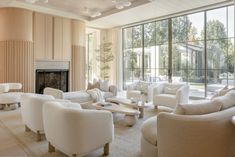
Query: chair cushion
(171, 88)
(198, 108)
(165, 99)
(149, 130)
(79, 96)
(133, 94)
(228, 100)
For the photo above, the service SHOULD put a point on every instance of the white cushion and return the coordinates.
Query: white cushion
(198, 109)
(228, 100)
(107, 95)
(171, 88)
(166, 100)
(78, 96)
(149, 130)
(104, 85)
(222, 91)
(4, 87)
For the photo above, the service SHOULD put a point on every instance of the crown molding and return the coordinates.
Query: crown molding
(41, 9)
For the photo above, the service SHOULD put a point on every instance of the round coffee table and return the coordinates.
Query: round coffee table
(130, 114)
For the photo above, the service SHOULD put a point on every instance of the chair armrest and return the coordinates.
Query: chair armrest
(113, 89)
(184, 135)
(158, 89)
(182, 94)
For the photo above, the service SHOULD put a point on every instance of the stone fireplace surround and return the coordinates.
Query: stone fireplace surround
(54, 74)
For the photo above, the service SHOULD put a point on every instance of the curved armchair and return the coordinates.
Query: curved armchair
(80, 131)
(169, 94)
(209, 135)
(31, 111)
(172, 135)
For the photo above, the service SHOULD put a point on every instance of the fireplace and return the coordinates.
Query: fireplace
(55, 78)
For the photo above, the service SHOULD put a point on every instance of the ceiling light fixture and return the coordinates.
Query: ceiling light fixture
(95, 12)
(34, 1)
(120, 4)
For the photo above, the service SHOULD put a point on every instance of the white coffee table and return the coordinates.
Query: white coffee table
(128, 102)
(130, 114)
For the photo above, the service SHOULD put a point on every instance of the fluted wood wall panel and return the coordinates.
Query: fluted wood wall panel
(17, 63)
(78, 68)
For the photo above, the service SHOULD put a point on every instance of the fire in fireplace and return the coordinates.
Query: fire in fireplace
(58, 79)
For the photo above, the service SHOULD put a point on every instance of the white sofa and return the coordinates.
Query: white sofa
(9, 95)
(75, 131)
(81, 97)
(170, 94)
(31, 112)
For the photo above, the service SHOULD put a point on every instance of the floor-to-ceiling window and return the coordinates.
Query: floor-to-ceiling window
(201, 54)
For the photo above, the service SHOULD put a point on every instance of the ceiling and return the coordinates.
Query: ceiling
(111, 17)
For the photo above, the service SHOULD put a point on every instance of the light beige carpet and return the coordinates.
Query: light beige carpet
(14, 141)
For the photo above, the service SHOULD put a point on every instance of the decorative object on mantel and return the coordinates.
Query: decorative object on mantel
(34, 1)
(105, 56)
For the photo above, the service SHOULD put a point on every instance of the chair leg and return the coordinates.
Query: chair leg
(106, 149)
(74, 155)
(39, 136)
(51, 148)
(156, 107)
(27, 128)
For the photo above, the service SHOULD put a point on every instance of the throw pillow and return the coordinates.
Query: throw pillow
(227, 100)
(199, 108)
(220, 92)
(171, 88)
(104, 85)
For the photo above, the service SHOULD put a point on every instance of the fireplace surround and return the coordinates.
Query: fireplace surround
(54, 78)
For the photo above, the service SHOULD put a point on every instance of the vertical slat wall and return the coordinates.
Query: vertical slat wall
(17, 63)
(78, 60)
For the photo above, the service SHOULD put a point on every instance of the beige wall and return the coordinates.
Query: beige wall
(16, 51)
(27, 37)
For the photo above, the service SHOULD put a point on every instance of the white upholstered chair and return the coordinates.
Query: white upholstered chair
(140, 90)
(170, 94)
(172, 135)
(31, 111)
(75, 131)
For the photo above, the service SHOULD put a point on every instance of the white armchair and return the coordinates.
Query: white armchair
(169, 94)
(140, 89)
(173, 135)
(31, 111)
(80, 131)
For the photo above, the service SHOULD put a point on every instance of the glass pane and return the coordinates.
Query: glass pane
(217, 79)
(162, 56)
(137, 37)
(179, 75)
(196, 26)
(161, 75)
(196, 55)
(196, 80)
(216, 54)
(217, 24)
(149, 74)
(137, 74)
(162, 32)
(128, 74)
(231, 21)
(127, 37)
(179, 29)
(179, 56)
(230, 62)
(149, 34)
(149, 57)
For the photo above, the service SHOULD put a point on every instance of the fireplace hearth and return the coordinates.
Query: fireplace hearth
(58, 79)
